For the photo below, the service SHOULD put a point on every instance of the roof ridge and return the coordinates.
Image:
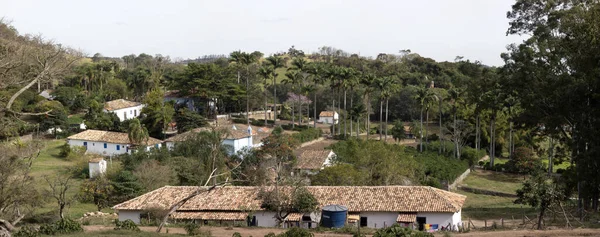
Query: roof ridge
(437, 192)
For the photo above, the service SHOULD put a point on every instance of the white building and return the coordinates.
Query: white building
(236, 137)
(311, 160)
(368, 206)
(124, 109)
(329, 117)
(97, 167)
(108, 143)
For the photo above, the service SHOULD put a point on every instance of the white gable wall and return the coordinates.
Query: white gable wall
(111, 149)
(380, 219)
(127, 113)
(441, 219)
(129, 215)
(97, 168)
(265, 219)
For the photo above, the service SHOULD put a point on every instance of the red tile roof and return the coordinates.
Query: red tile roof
(356, 198)
(326, 113)
(119, 104)
(407, 217)
(211, 216)
(106, 136)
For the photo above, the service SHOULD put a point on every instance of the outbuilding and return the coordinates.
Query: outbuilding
(109, 143)
(124, 109)
(368, 206)
(329, 117)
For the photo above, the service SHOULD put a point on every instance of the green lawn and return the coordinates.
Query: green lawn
(494, 181)
(49, 164)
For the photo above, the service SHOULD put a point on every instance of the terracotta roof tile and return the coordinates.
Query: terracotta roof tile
(294, 217)
(106, 136)
(326, 113)
(308, 159)
(356, 198)
(407, 217)
(96, 160)
(119, 104)
(211, 216)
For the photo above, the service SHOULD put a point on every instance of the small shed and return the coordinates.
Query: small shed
(329, 117)
(97, 167)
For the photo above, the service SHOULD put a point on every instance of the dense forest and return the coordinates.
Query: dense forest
(543, 102)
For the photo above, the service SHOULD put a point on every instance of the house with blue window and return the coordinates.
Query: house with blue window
(109, 143)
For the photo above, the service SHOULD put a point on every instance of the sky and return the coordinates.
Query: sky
(439, 29)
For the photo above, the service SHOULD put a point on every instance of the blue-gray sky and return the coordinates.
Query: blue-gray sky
(440, 29)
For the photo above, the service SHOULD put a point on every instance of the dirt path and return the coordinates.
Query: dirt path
(215, 231)
(534, 233)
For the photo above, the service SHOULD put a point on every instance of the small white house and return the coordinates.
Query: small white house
(237, 138)
(329, 117)
(108, 143)
(310, 161)
(97, 167)
(419, 207)
(124, 109)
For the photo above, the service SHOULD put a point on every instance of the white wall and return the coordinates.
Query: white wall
(265, 219)
(239, 144)
(110, 150)
(441, 219)
(132, 112)
(97, 168)
(98, 147)
(129, 215)
(379, 219)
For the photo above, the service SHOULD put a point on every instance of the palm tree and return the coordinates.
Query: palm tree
(333, 75)
(275, 62)
(266, 72)
(300, 65)
(351, 83)
(455, 95)
(346, 80)
(438, 95)
(137, 133)
(368, 81)
(357, 112)
(316, 70)
(293, 78)
(422, 95)
(244, 59)
(509, 103)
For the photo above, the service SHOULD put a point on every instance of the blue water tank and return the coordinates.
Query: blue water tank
(334, 216)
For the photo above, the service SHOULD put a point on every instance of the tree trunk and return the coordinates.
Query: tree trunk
(441, 135)
(351, 118)
(456, 138)
(492, 146)
(345, 113)
(421, 132)
(510, 141)
(368, 120)
(315, 110)
(19, 92)
(293, 116)
(266, 106)
(380, 119)
(541, 217)
(550, 155)
(387, 104)
(275, 99)
(477, 134)
(426, 122)
(247, 101)
(61, 208)
(333, 120)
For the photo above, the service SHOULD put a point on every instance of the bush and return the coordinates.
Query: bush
(308, 135)
(192, 228)
(524, 161)
(398, 231)
(126, 225)
(64, 226)
(270, 234)
(27, 231)
(239, 120)
(296, 232)
(236, 234)
(65, 150)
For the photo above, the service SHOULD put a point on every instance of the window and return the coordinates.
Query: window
(135, 113)
(130, 111)
(105, 146)
(84, 143)
(118, 147)
(125, 115)
(363, 221)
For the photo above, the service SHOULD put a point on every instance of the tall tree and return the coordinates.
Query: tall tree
(422, 95)
(276, 62)
(266, 72)
(137, 133)
(245, 60)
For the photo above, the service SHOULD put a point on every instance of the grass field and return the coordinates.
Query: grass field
(49, 164)
(483, 207)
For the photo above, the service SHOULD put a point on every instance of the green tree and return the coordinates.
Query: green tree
(422, 95)
(266, 72)
(244, 60)
(97, 191)
(158, 114)
(541, 192)
(398, 131)
(275, 62)
(187, 120)
(137, 133)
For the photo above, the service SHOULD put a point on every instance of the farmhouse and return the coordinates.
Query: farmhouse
(237, 138)
(124, 109)
(368, 206)
(107, 143)
(310, 161)
(329, 117)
